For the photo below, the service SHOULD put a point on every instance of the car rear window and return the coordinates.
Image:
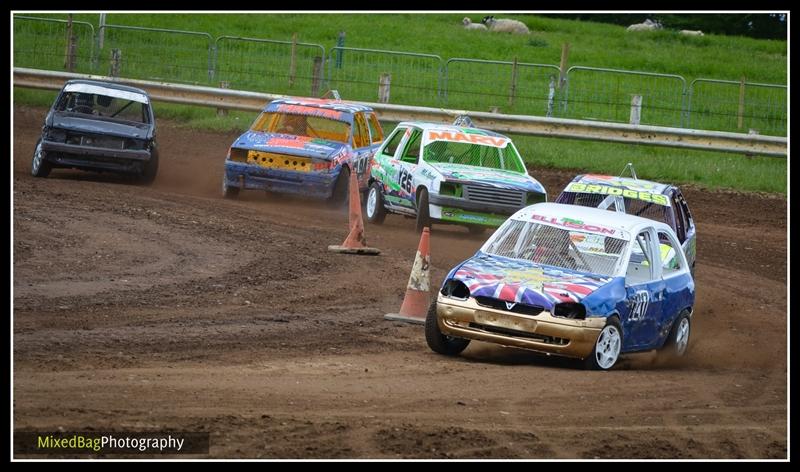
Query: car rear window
(303, 125)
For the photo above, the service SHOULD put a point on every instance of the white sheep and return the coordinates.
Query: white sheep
(648, 25)
(692, 33)
(468, 24)
(504, 25)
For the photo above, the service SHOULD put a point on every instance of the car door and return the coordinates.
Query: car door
(678, 284)
(689, 239)
(363, 149)
(408, 160)
(386, 168)
(644, 293)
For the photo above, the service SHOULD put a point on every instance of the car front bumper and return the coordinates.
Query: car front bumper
(256, 177)
(542, 333)
(71, 155)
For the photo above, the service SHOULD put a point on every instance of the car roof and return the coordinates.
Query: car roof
(324, 103)
(629, 183)
(429, 126)
(593, 220)
(103, 83)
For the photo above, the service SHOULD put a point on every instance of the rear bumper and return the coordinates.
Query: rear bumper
(256, 177)
(542, 333)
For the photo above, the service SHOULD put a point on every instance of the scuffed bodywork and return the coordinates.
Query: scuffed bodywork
(98, 126)
(554, 309)
(293, 162)
(476, 194)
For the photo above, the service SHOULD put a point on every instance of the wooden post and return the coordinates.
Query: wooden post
(293, 60)
(383, 88)
(69, 52)
(513, 89)
(116, 62)
(316, 76)
(740, 114)
(563, 66)
(222, 111)
(636, 109)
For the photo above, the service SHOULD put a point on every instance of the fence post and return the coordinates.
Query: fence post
(316, 76)
(563, 66)
(292, 60)
(636, 109)
(339, 50)
(551, 95)
(222, 111)
(102, 31)
(116, 61)
(740, 113)
(383, 88)
(513, 89)
(69, 52)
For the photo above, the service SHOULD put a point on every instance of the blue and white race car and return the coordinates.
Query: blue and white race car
(304, 146)
(572, 281)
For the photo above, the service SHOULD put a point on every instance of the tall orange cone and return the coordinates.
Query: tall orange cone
(356, 242)
(418, 296)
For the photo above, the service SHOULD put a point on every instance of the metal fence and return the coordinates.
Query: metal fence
(294, 68)
(607, 94)
(357, 74)
(286, 67)
(45, 44)
(156, 54)
(737, 106)
(511, 87)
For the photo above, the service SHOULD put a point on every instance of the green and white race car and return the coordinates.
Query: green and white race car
(449, 174)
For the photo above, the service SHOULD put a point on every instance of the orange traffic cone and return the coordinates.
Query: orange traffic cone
(356, 242)
(418, 297)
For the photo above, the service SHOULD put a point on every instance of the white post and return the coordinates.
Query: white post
(383, 88)
(102, 30)
(636, 109)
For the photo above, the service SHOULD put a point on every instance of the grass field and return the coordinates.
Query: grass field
(592, 95)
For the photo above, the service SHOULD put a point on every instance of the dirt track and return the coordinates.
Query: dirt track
(170, 308)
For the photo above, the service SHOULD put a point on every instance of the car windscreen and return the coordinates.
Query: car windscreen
(303, 125)
(631, 206)
(558, 247)
(478, 155)
(103, 106)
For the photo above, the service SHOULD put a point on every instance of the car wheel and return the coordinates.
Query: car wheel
(228, 191)
(476, 230)
(376, 211)
(439, 342)
(423, 211)
(677, 343)
(150, 169)
(40, 166)
(607, 347)
(339, 197)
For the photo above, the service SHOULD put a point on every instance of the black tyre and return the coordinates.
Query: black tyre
(150, 169)
(40, 166)
(423, 211)
(228, 191)
(606, 348)
(677, 344)
(339, 197)
(476, 230)
(438, 342)
(376, 211)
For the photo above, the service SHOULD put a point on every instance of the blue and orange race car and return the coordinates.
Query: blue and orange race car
(304, 146)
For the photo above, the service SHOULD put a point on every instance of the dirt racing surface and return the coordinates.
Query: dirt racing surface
(169, 308)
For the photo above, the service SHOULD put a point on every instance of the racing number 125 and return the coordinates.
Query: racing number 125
(404, 178)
